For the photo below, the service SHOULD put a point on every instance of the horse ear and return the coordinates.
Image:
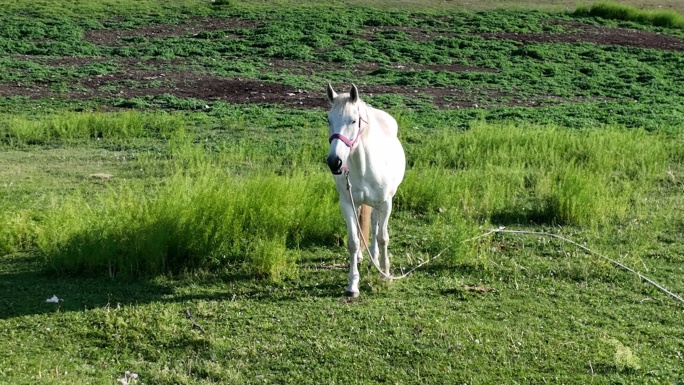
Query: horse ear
(354, 94)
(331, 93)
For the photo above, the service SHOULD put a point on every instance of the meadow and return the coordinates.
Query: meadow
(162, 173)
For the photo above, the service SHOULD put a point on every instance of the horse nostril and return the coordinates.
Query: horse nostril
(335, 164)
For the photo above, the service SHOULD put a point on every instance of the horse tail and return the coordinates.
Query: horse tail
(364, 223)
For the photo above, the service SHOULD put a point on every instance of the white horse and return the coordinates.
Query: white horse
(364, 151)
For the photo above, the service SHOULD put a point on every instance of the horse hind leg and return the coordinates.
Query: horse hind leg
(364, 224)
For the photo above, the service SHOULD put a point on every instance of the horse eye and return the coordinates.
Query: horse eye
(354, 121)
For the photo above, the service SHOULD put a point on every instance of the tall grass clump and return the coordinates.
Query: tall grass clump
(616, 11)
(534, 174)
(206, 220)
(17, 231)
(18, 130)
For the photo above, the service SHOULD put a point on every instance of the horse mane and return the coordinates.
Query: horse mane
(341, 102)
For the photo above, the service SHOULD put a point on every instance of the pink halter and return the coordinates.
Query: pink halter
(346, 140)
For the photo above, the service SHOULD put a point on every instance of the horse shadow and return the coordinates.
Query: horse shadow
(26, 285)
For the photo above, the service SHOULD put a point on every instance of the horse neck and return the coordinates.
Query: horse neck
(361, 153)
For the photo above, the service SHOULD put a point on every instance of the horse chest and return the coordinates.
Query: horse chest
(367, 192)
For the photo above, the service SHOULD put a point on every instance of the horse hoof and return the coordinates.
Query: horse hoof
(352, 294)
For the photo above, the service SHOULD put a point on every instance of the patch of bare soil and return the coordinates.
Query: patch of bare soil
(577, 33)
(140, 83)
(186, 84)
(308, 68)
(598, 35)
(78, 62)
(30, 91)
(110, 37)
(60, 61)
(415, 33)
(157, 76)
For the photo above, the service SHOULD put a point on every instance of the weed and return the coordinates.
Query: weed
(17, 231)
(196, 221)
(547, 175)
(269, 257)
(624, 358)
(16, 130)
(616, 11)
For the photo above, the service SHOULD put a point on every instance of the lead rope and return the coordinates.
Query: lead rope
(375, 263)
(494, 231)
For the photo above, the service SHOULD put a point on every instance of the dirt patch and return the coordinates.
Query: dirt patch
(60, 61)
(446, 67)
(186, 84)
(157, 76)
(415, 33)
(139, 83)
(577, 33)
(598, 35)
(111, 37)
(142, 83)
(77, 62)
(23, 90)
(309, 68)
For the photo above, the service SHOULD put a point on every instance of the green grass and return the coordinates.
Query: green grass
(548, 311)
(578, 84)
(92, 9)
(229, 212)
(202, 214)
(193, 222)
(20, 131)
(616, 11)
(542, 175)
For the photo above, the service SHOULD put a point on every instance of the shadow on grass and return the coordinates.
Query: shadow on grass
(25, 285)
(524, 217)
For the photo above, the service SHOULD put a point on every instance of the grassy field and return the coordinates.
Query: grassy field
(162, 173)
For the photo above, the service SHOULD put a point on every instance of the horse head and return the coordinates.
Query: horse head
(345, 124)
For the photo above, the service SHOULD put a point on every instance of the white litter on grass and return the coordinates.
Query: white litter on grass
(129, 378)
(101, 175)
(54, 299)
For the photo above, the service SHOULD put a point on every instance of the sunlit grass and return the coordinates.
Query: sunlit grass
(18, 130)
(616, 11)
(535, 174)
(200, 221)
(253, 203)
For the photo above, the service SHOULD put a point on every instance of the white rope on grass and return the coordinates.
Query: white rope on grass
(370, 255)
(590, 251)
(375, 262)
(502, 230)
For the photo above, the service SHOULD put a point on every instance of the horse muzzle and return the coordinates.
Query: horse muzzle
(335, 164)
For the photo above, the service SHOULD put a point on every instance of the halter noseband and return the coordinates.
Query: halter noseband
(346, 140)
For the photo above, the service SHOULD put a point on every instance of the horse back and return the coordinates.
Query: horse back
(385, 121)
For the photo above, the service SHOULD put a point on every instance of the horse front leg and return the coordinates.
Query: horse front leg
(353, 247)
(374, 238)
